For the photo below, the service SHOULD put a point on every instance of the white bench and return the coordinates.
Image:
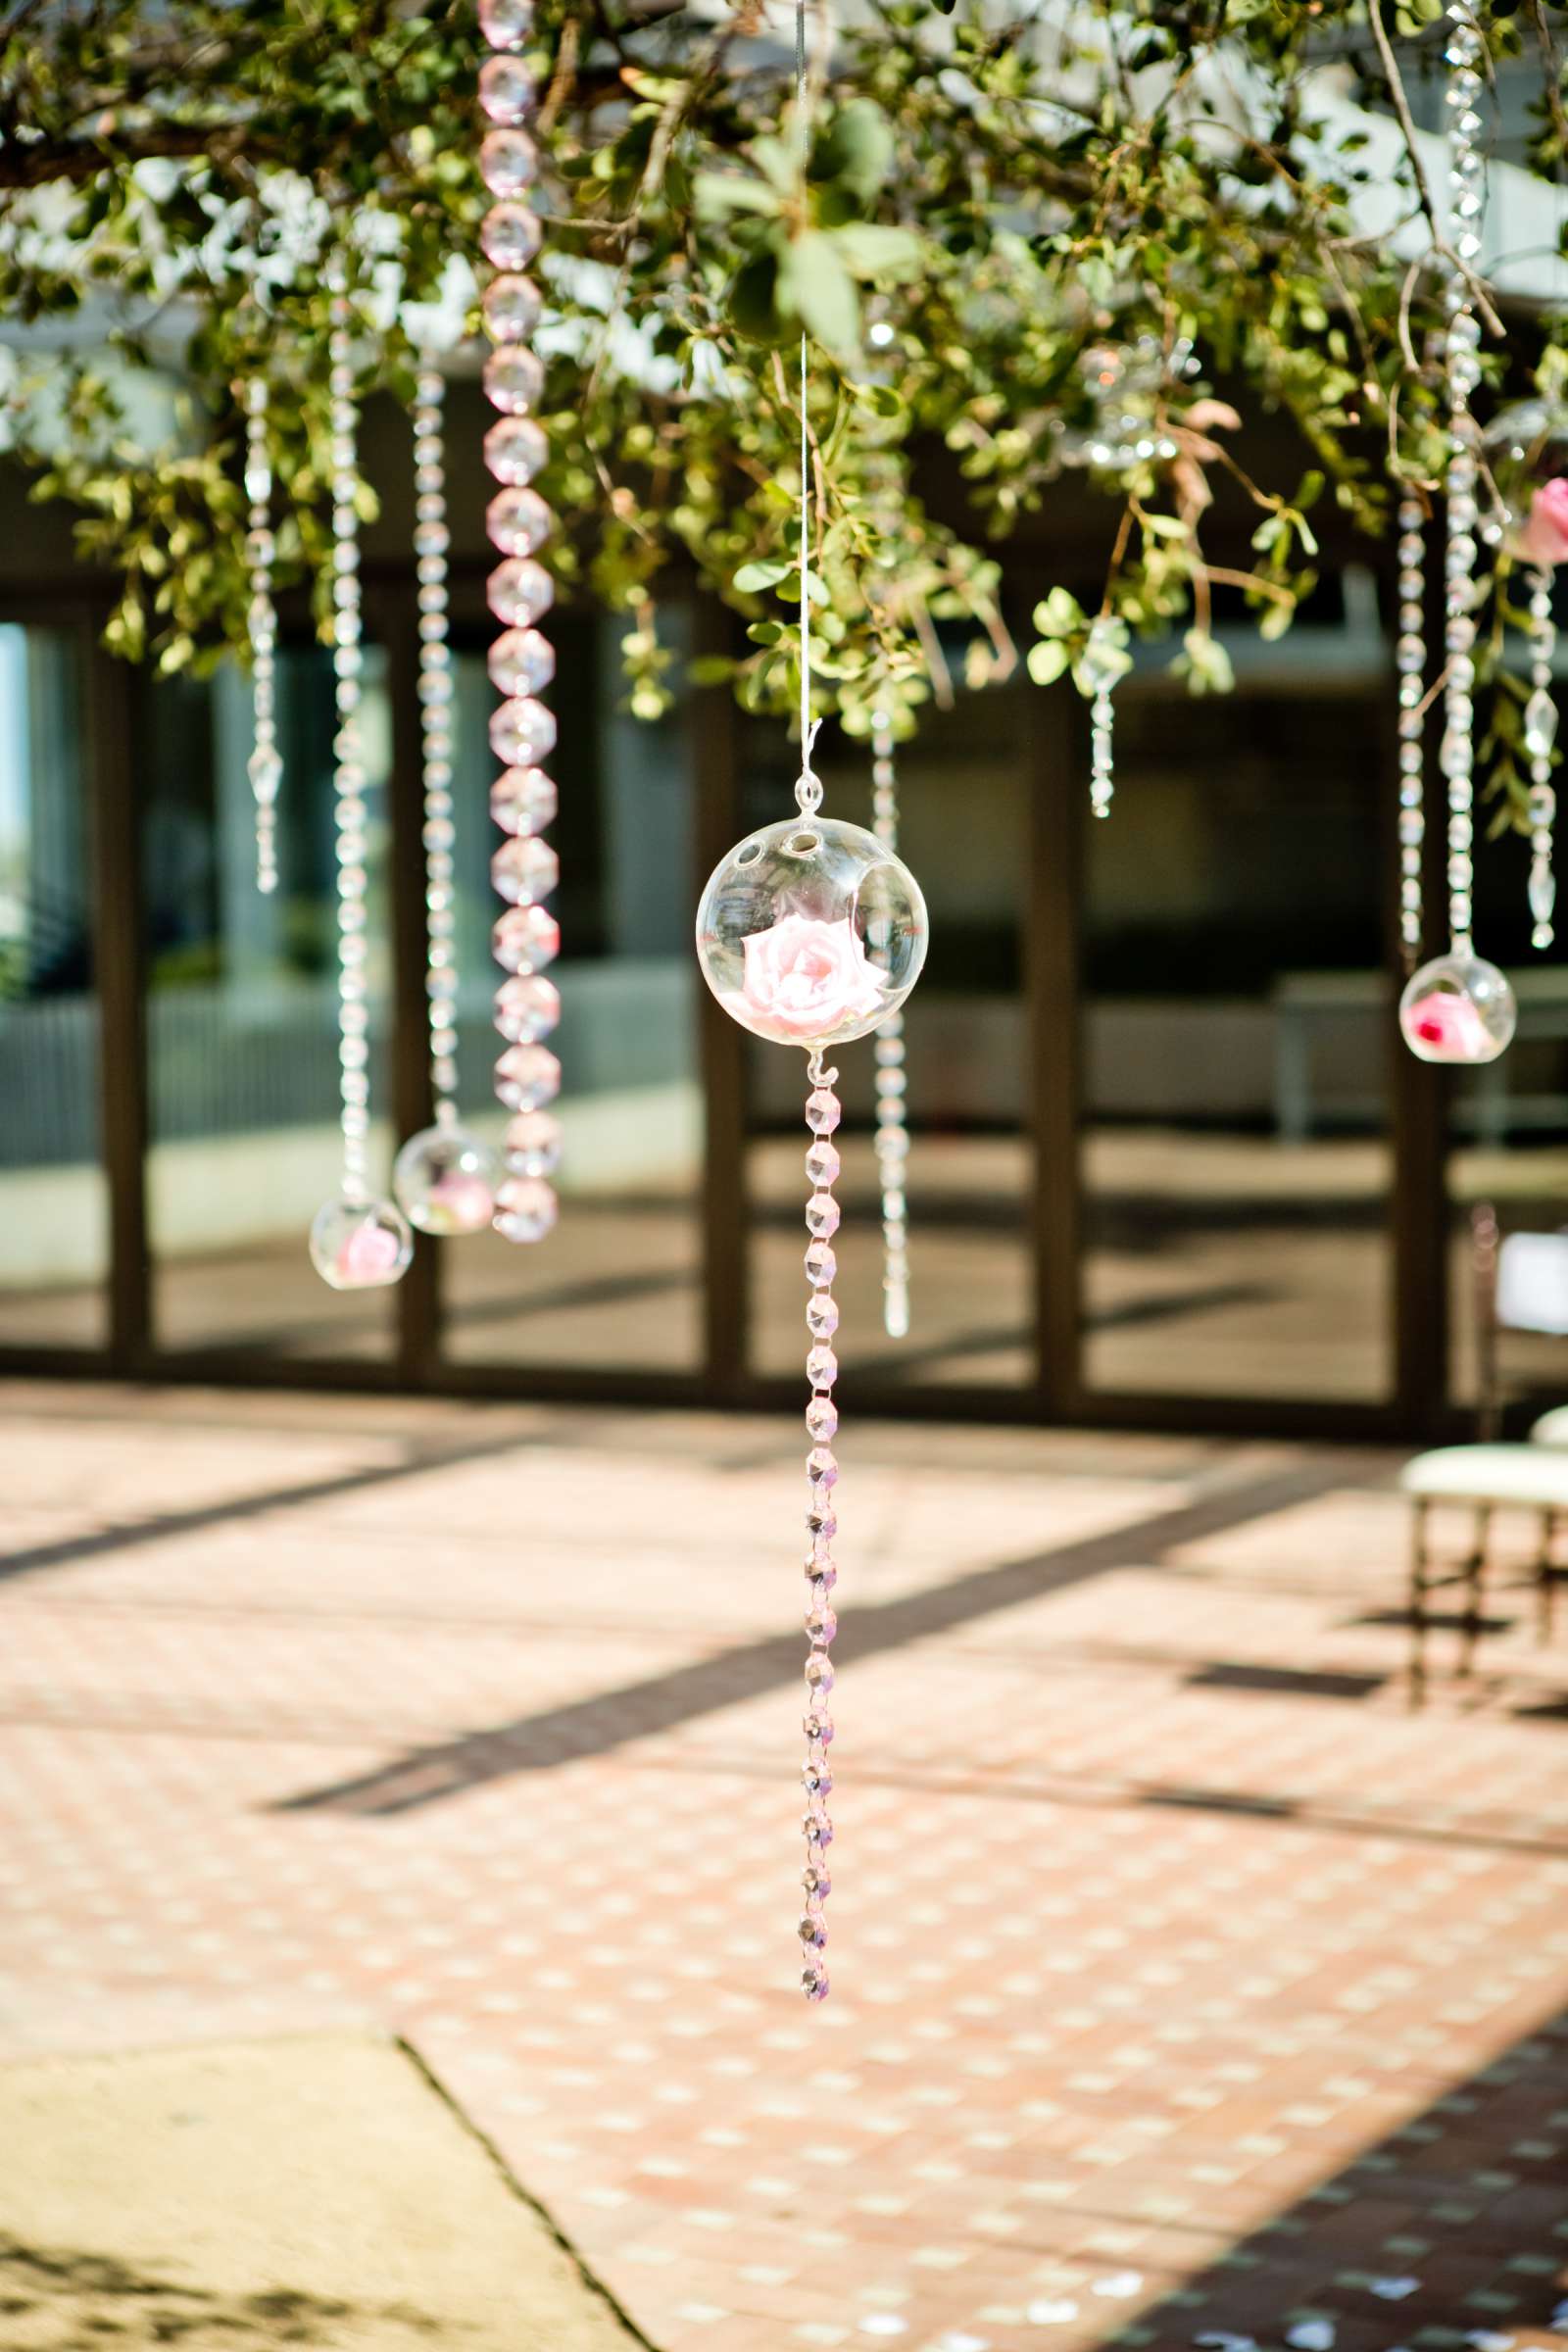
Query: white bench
(1484, 1479)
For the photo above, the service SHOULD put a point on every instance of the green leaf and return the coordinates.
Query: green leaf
(1046, 661)
(716, 193)
(752, 578)
(874, 251)
(814, 284)
(857, 149)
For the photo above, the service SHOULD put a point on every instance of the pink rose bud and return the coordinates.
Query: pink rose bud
(805, 977)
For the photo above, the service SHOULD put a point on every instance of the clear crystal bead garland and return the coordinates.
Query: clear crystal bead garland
(892, 1079)
(445, 1177)
(811, 933)
(522, 662)
(1458, 1008)
(266, 766)
(358, 1242)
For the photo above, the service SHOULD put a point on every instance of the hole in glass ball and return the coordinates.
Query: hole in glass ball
(750, 855)
(801, 845)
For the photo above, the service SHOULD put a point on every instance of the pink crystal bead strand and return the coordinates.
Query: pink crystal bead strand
(822, 1114)
(1410, 662)
(522, 661)
(265, 765)
(1541, 734)
(891, 1120)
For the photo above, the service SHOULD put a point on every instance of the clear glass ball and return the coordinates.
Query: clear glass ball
(445, 1180)
(811, 932)
(1527, 456)
(359, 1245)
(1457, 1009)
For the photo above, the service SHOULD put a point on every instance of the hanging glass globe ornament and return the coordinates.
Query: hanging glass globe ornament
(445, 1178)
(1457, 1009)
(1526, 449)
(359, 1245)
(811, 932)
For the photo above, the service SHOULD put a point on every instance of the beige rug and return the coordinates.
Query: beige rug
(312, 2192)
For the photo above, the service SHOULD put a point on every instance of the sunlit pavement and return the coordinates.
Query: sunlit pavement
(1185, 1982)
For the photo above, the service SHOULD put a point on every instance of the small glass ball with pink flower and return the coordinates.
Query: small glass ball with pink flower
(1526, 449)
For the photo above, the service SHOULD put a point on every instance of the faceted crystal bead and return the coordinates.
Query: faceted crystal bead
(822, 1314)
(1543, 806)
(521, 661)
(515, 449)
(821, 1166)
(822, 1216)
(527, 1077)
(506, 23)
(822, 1367)
(534, 1143)
(359, 1245)
(506, 89)
(514, 378)
(820, 1574)
(445, 1180)
(1541, 724)
(512, 306)
(525, 1208)
(815, 1828)
(265, 768)
(527, 1007)
(524, 870)
(526, 939)
(509, 161)
(816, 1883)
(1543, 892)
(820, 1626)
(820, 1265)
(813, 1927)
(820, 1467)
(520, 592)
(822, 1419)
(1454, 752)
(823, 1111)
(522, 732)
(815, 1982)
(522, 799)
(817, 1725)
(519, 522)
(510, 234)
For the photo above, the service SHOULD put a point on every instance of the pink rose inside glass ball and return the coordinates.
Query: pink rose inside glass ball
(1527, 457)
(1457, 1009)
(811, 932)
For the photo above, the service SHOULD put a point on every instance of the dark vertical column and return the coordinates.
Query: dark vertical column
(722, 1044)
(120, 977)
(1053, 985)
(1417, 1097)
(391, 621)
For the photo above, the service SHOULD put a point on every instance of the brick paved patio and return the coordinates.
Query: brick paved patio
(1185, 1984)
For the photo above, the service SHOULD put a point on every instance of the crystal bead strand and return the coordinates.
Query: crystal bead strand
(1100, 675)
(822, 1114)
(1540, 733)
(522, 732)
(445, 1178)
(1410, 659)
(431, 539)
(892, 1123)
(1462, 369)
(357, 1241)
(266, 766)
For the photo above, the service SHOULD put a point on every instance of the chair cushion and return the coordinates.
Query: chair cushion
(1553, 1428)
(1536, 1476)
